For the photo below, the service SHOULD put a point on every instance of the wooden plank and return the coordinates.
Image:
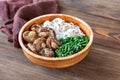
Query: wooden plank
(103, 61)
(103, 8)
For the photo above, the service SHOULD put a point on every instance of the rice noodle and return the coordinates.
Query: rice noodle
(63, 29)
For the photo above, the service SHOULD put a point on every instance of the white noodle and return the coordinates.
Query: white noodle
(63, 29)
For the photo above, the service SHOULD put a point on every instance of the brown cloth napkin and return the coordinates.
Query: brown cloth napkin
(15, 13)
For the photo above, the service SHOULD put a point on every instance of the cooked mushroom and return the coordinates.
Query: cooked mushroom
(56, 41)
(44, 29)
(41, 52)
(41, 40)
(43, 45)
(48, 30)
(48, 52)
(43, 34)
(39, 44)
(29, 36)
(51, 42)
(48, 42)
(51, 32)
(31, 47)
(36, 27)
(54, 45)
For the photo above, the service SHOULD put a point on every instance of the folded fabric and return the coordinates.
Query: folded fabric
(15, 13)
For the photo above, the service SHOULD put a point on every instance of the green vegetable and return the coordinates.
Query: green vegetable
(71, 45)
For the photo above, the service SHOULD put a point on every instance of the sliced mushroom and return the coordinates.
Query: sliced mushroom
(48, 52)
(39, 44)
(36, 27)
(29, 36)
(55, 40)
(48, 42)
(43, 45)
(41, 40)
(51, 32)
(44, 29)
(48, 30)
(43, 34)
(53, 43)
(31, 47)
(41, 52)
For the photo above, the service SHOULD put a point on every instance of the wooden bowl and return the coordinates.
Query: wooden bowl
(57, 62)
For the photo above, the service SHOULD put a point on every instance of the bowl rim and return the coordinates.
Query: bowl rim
(54, 58)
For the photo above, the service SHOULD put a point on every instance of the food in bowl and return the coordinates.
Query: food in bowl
(41, 40)
(56, 62)
(71, 45)
(63, 29)
(55, 38)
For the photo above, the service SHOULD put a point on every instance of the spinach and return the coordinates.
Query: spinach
(71, 45)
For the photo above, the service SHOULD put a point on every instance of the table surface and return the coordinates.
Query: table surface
(102, 62)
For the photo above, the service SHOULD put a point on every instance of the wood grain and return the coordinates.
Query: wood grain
(103, 62)
(104, 8)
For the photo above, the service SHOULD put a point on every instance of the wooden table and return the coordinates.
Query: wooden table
(103, 61)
